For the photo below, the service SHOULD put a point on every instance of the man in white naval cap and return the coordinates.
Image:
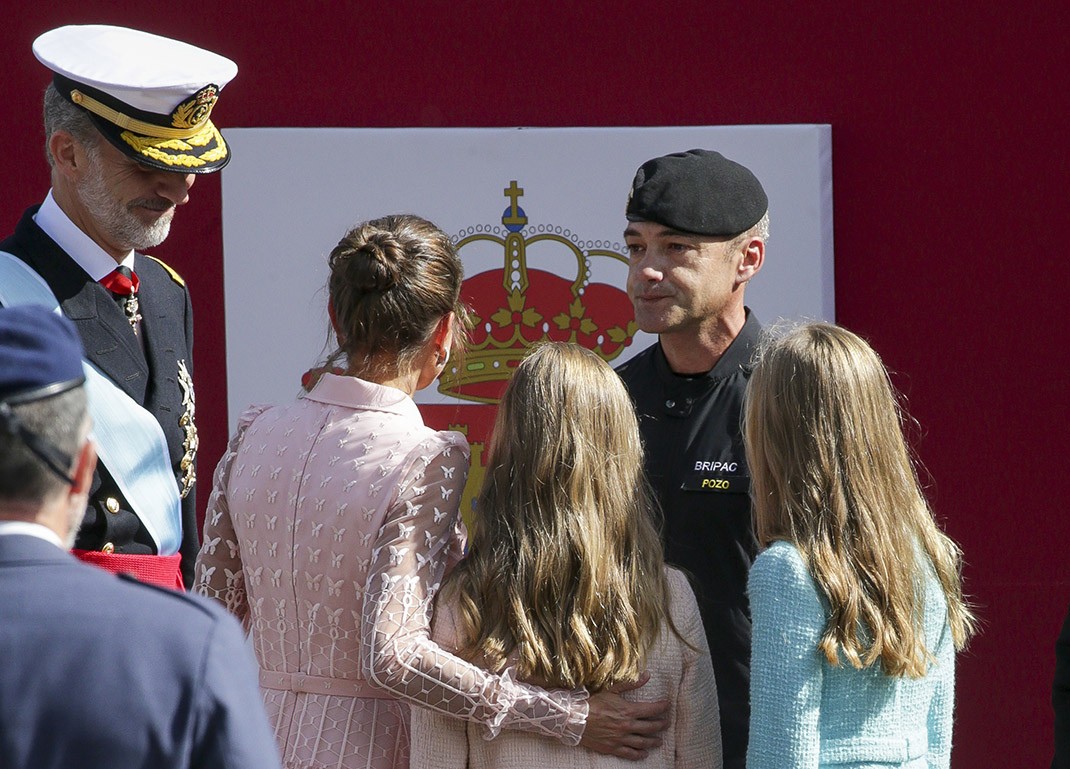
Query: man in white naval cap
(127, 129)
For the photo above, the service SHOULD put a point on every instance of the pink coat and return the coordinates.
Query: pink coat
(331, 524)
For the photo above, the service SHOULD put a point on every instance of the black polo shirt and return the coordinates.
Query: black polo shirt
(696, 465)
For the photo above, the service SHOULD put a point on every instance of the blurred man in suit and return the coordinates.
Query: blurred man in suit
(98, 670)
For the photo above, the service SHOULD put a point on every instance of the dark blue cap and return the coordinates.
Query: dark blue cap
(40, 354)
(699, 191)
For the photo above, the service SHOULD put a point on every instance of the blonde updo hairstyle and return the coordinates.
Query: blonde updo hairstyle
(392, 280)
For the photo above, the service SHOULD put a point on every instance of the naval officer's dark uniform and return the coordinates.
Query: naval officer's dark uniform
(695, 463)
(158, 378)
(150, 98)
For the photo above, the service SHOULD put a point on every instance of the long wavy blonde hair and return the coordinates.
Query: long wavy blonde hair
(565, 566)
(831, 474)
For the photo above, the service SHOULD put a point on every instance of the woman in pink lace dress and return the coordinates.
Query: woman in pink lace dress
(333, 520)
(565, 584)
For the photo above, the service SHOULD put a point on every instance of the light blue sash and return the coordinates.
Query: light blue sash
(129, 440)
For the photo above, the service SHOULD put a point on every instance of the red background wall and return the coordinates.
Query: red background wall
(950, 197)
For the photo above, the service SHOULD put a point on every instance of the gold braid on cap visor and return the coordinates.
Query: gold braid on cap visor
(133, 124)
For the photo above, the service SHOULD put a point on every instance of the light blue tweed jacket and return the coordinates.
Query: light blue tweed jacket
(807, 714)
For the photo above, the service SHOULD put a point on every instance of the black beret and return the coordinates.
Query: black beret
(40, 354)
(699, 191)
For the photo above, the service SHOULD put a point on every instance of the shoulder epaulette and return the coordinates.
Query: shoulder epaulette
(170, 270)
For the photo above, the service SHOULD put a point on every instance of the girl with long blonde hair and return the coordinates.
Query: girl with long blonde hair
(856, 600)
(565, 584)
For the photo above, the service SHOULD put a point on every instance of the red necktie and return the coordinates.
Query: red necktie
(123, 282)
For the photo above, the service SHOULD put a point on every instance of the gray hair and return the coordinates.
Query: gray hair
(62, 421)
(761, 228)
(61, 115)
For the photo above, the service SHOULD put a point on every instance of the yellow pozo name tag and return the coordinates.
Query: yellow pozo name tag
(729, 484)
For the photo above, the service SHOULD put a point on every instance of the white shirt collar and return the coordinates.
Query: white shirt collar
(31, 530)
(79, 246)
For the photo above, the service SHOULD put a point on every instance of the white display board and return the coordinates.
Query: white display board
(289, 195)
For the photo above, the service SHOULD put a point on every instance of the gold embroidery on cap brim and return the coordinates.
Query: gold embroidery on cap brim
(191, 441)
(154, 148)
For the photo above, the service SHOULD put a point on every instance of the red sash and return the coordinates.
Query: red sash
(160, 570)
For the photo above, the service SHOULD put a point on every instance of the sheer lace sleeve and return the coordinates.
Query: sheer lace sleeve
(439, 741)
(408, 562)
(218, 571)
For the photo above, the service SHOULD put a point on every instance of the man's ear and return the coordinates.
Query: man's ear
(84, 467)
(66, 524)
(68, 155)
(753, 252)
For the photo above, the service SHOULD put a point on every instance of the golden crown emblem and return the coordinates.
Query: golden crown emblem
(193, 112)
(522, 304)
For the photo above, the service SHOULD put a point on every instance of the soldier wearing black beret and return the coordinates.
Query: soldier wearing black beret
(697, 228)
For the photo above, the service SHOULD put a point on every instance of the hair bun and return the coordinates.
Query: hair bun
(374, 263)
(393, 280)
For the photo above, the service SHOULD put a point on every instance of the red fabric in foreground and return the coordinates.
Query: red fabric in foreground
(160, 570)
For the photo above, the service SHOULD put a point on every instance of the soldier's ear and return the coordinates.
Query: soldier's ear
(753, 259)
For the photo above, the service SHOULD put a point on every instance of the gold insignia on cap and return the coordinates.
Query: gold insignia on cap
(155, 148)
(194, 112)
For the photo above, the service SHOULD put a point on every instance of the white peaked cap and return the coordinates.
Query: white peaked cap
(145, 92)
